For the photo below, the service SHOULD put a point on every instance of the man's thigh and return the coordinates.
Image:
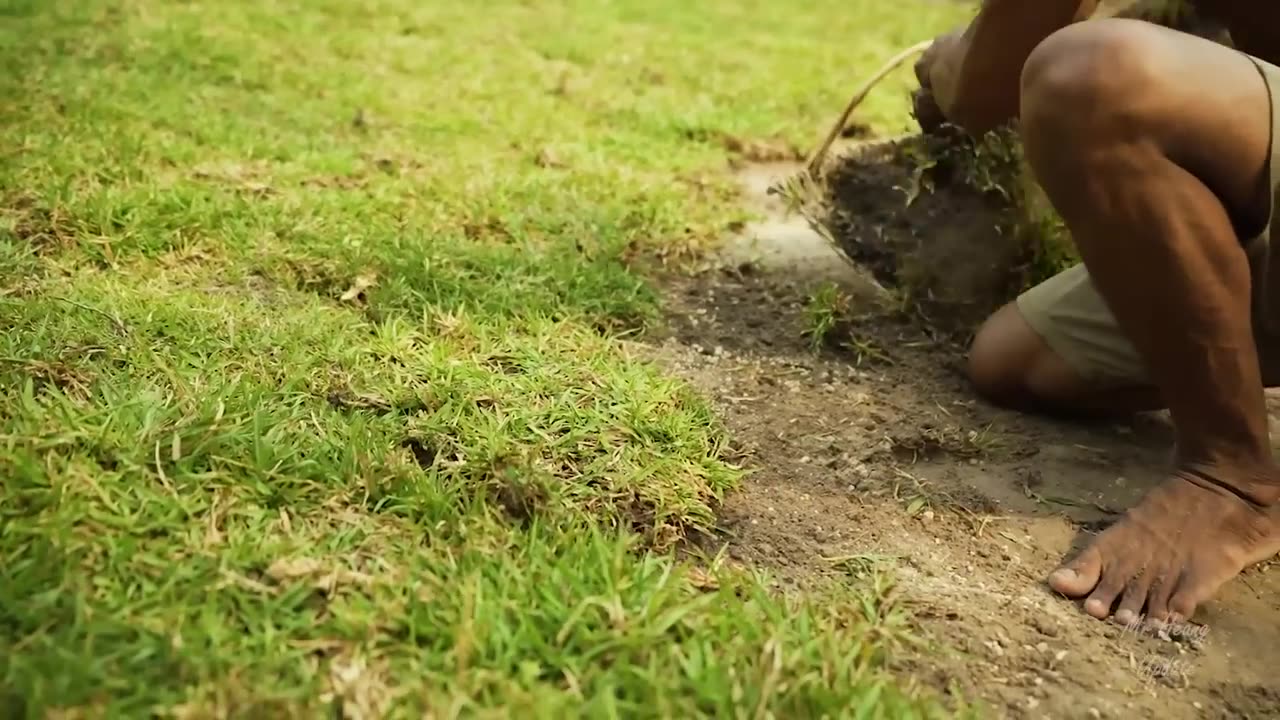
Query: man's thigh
(1074, 321)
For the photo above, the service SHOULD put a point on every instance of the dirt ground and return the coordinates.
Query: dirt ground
(880, 454)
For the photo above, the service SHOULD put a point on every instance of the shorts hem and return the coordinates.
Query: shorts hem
(1041, 321)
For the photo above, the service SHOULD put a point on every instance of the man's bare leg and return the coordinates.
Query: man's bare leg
(1149, 143)
(1013, 366)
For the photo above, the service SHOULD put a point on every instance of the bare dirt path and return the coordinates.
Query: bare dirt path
(881, 455)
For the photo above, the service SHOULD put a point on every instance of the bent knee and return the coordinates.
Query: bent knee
(999, 358)
(1009, 364)
(1089, 74)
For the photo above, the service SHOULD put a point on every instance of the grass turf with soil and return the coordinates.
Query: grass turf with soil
(312, 394)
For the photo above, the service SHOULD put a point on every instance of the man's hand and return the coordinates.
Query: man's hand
(937, 70)
(970, 78)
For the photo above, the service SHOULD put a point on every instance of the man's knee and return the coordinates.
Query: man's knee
(1000, 358)
(1009, 363)
(1090, 77)
(1107, 95)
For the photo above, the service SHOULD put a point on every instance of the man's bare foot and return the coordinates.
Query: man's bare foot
(1171, 552)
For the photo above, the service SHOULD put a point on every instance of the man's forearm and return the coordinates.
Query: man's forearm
(995, 47)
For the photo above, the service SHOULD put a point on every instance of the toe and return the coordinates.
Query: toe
(1182, 607)
(1133, 599)
(1196, 585)
(1079, 576)
(1158, 594)
(1114, 581)
(1190, 592)
(1103, 597)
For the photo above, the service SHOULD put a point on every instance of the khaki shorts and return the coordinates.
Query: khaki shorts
(1073, 319)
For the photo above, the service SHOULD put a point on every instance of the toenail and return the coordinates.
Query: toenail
(1097, 608)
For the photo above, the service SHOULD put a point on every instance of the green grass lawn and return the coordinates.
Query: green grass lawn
(312, 394)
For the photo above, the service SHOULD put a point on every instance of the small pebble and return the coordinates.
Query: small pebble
(1093, 713)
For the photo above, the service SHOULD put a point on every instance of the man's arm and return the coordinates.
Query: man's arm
(986, 62)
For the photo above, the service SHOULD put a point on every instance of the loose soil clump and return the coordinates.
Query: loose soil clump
(951, 223)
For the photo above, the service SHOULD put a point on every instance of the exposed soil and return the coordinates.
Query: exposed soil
(912, 211)
(877, 453)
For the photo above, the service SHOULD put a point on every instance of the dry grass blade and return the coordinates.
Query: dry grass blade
(815, 162)
(803, 192)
